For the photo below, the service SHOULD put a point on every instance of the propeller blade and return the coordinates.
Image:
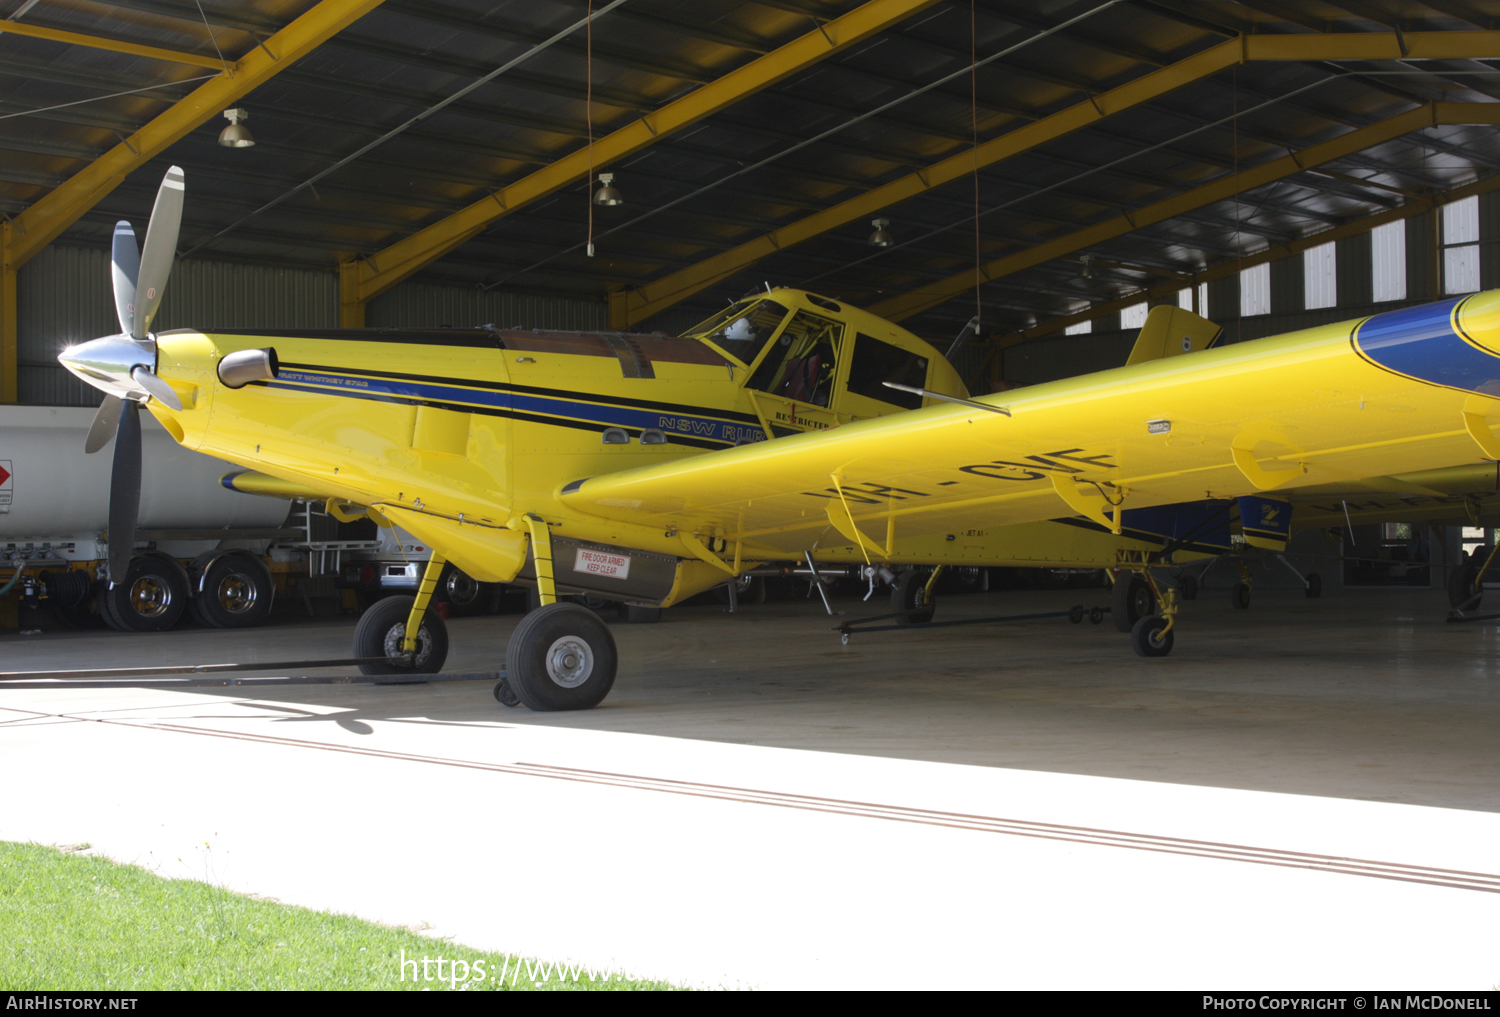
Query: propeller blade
(103, 427)
(160, 249)
(146, 379)
(125, 490)
(125, 268)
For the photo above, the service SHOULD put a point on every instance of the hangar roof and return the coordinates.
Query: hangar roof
(938, 111)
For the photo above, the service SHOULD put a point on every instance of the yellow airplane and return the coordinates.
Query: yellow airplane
(647, 468)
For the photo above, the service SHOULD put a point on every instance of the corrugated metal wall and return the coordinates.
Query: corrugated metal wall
(64, 297)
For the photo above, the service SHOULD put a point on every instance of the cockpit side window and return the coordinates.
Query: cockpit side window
(876, 362)
(804, 361)
(744, 329)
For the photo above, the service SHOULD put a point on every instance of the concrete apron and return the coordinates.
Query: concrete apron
(630, 850)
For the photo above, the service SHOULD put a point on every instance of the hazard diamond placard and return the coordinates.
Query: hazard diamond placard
(7, 484)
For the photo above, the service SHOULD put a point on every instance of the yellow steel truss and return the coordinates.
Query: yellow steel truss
(630, 306)
(385, 269)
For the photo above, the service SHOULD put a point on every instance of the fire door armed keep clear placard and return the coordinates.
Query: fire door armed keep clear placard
(599, 563)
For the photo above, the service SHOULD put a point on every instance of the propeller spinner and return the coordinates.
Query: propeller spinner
(123, 366)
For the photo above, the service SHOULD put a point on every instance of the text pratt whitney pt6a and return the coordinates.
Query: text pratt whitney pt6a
(645, 469)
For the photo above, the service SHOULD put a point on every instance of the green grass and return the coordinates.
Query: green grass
(76, 922)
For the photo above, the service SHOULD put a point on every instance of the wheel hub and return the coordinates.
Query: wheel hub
(570, 661)
(396, 635)
(150, 597)
(237, 594)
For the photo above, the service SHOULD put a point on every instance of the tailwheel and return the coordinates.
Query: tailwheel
(1314, 585)
(561, 657)
(909, 598)
(382, 630)
(1240, 595)
(1151, 637)
(1189, 587)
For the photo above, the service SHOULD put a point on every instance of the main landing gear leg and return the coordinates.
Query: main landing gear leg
(425, 590)
(561, 656)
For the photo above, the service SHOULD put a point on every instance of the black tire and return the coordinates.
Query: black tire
(1189, 586)
(151, 599)
(381, 630)
(561, 657)
(1096, 615)
(1461, 588)
(1075, 614)
(1314, 588)
(236, 592)
(505, 695)
(909, 596)
(637, 615)
(1148, 639)
(1131, 600)
(1240, 596)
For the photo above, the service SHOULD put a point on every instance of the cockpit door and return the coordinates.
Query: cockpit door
(793, 386)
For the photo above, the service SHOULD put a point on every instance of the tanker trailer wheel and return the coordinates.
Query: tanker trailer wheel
(151, 598)
(561, 657)
(382, 629)
(237, 591)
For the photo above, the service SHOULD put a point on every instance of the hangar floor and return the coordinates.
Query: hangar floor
(1357, 725)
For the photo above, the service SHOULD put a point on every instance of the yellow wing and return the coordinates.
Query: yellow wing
(1326, 406)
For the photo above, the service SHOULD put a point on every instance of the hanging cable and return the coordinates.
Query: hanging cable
(588, 116)
(974, 150)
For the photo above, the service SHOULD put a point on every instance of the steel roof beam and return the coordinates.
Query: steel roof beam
(373, 276)
(1434, 114)
(39, 225)
(113, 45)
(43, 221)
(1275, 253)
(630, 306)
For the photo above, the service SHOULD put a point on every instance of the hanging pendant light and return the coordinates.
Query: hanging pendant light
(236, 135)
(880, 238)
(607, 194)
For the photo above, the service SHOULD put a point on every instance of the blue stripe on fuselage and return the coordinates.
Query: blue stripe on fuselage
(1421, 343)
(605, 416)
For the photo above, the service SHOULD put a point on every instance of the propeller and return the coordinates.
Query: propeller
(124, 366)
(125, 490)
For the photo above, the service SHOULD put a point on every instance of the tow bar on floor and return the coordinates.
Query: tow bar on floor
(1074, 614)
(161, 677)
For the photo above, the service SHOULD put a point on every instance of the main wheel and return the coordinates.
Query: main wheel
(1240, 595)
(561, 657)
(151, 598)
(382, 629)
(1461, 588)
(236, 592)
(1189, 587)
(1314, 588)
(1150, 637)
(909, 595)
(1130, 601)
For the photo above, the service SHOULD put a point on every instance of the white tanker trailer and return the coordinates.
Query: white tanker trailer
(200, 548)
